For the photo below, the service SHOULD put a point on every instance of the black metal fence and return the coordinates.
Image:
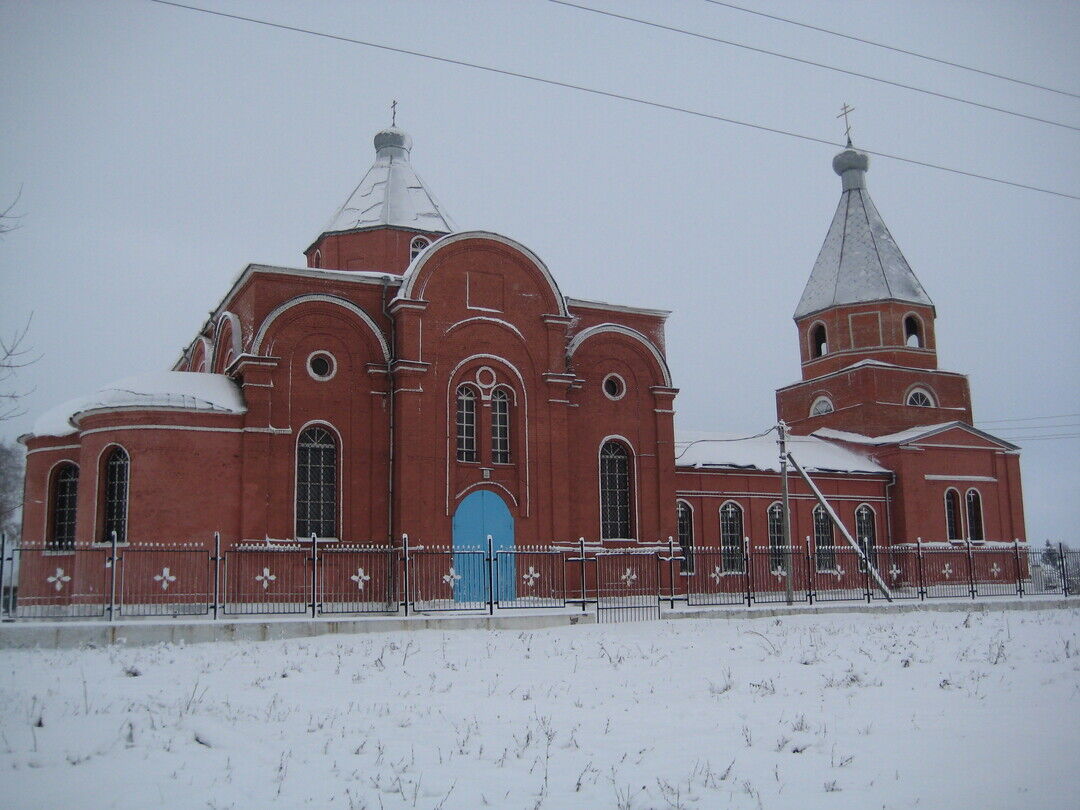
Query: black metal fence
(325, 578)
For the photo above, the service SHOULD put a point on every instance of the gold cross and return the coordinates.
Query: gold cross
(393, 113)
(847, 126)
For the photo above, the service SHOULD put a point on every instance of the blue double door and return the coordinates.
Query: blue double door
(481, 514)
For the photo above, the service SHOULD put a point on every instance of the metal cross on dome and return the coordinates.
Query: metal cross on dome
(844, 111)
(393, 113)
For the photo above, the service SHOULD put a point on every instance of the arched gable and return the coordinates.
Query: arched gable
(201, 352)
(349, 306)
(424, 266)
(227, 338)
(633, 334)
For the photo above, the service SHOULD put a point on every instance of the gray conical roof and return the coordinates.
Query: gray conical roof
(859, 261)
(391, 193)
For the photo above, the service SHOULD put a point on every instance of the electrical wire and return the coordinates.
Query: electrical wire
(821, 65)
(1040, 438)
(733, 439)
(609, 94)
(895, 49)
(1026, 418)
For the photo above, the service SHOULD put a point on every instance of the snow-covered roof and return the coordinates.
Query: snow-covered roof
(391, 193)
(905, 436)
(859, 261)
(180, 390)
(696, 449)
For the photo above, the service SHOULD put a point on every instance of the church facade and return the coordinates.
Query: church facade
(416, 379)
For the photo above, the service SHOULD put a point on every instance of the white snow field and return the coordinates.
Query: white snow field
(925, 709)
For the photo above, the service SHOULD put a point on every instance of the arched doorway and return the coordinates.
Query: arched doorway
(480, 514)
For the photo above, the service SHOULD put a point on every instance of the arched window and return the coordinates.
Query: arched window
(416, 247)
(974, 515)
(615, 492)
(819, 346)
(920, 398)
(866, 534)
(117, 467)
(913, 335)
(824, 541)
(466, 423)
(953, 529)
(316, 483)
(821, 406)
(500, 426)
(685, 517)
(65, 493)
(777, 551)
(731, 538)
(316, 259)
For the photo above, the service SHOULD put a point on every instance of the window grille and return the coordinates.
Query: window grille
(824, 544)
(316, 483)
(821, 406)
(614, 491)
(920, 399)
(500, 427)
(466, 424)
(731, 538)
(865, 534)
(952, 515)
(65, 496)
(974, 515)
(685, 517)
(778, 554)
(417, 247)
(116, 496)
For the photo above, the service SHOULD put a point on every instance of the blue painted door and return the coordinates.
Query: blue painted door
(480, 514)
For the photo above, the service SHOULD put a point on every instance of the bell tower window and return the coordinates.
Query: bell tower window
(920, 398)
(913, 334)
(819, 346)
(416, 247)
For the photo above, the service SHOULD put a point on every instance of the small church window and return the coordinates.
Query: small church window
(821, 406)
(321, 365)
(417, 246)
(116, 496)
(920, 398)
(777, 552)
(913, 332)
(316, 259)
(316, 483)
(65, 491)
(466, 424)
(500, 426)
(824, 541)
(974, 515)
(819, 347)
(685, 519)
(615, 493)
(952, 515)
(614, 386)
(865, 534)
(731, 538)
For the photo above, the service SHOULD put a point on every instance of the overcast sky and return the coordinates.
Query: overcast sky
(160, 150)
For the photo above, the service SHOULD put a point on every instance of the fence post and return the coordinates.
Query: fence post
(581, 544)
(919, 568)
(971, 570)
(405, 574)
(491, 576)
(217, 571)
(314, 573)
(1019, 576)
(671, 570)
(810, 569)
(113, 563)
(3, 554)
(867, 562)
(1064, 571)
(11, 604)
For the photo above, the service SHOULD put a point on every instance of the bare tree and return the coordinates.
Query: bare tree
(11, 476)
(14, 354)
(9, 221)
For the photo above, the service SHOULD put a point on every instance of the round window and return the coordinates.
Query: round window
(614, 386)
(321, 365)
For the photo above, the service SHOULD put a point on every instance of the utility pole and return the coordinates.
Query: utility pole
(788, 556)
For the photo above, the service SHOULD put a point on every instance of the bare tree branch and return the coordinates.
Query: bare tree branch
(8, 220)
(14, 354)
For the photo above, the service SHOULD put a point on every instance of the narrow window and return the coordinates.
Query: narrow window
(116, 496)
(316, 259)
(913, 332)
(500, 427)
(777, 551)
(417, 247)
(64, 496)
(466, 424)
(974, 515)
(818, 345)
(685, 517)
(865, 534)
(952, 515)
(731, 538)
(823, 541)
(615, 491)
(316, 483)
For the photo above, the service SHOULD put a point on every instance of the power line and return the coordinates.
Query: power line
(802, 61)
(1011, 428)
(895, 49)
(732, 439)
(608, 94)
(1040, 438)
(1027, 418)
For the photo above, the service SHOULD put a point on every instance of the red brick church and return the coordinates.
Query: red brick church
(415, 379)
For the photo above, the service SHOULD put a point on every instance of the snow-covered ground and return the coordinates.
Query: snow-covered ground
(929, 710)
